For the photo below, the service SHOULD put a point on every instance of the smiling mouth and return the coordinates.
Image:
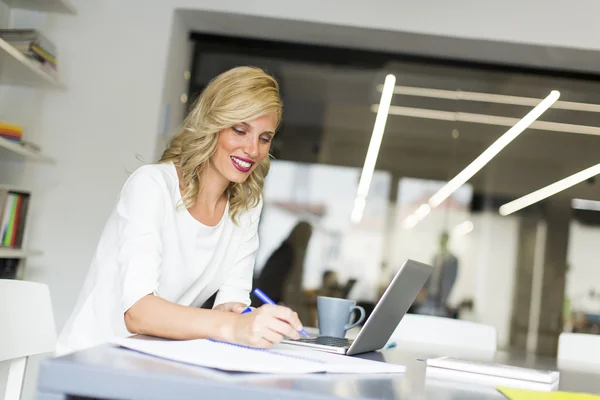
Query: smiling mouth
(242, 164)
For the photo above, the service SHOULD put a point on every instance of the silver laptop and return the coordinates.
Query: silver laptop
(393, 305)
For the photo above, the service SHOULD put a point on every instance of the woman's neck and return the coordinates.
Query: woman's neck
(213, 188)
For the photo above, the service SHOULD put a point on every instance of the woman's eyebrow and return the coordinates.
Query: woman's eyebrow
(248, 126)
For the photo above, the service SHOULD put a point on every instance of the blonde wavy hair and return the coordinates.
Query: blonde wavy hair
(237, 95)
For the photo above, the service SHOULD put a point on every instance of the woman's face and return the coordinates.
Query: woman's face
(241, 147)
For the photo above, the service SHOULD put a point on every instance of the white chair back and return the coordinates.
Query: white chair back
(449, 336)
(27, 328)
(579, 351)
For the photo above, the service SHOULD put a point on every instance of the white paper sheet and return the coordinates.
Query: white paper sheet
(493, 369)
(460, 377)
(281, 359)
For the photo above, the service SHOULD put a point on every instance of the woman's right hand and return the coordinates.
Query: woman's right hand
(265, 326)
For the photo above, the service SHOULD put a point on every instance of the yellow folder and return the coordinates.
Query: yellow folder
(520, 394)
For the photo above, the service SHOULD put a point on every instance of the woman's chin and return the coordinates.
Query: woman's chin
(238, 177)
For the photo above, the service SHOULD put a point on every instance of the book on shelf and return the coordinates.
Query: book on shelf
(9, 268)
(33, 44)
(14, 206)
(12, 132)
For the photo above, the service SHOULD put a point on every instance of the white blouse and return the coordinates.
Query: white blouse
(150, 245)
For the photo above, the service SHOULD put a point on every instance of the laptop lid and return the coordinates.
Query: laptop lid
(393, 305)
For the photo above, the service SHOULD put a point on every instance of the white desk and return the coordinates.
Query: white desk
(107, 372)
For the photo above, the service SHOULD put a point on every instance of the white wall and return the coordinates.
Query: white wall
(112, 60)
(114, 56)
(556, 23)
(179, 59)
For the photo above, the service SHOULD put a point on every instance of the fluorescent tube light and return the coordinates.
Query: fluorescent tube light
(489, 98)
(488, 119)
(549, 190)
(582, 204)
(492, 151)
(413, 219)
(376, 136)
(463, 228)
(422, 211)
(369, 167)
(358, 209)
(410, 222)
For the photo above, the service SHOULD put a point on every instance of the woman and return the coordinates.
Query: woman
(186, 227)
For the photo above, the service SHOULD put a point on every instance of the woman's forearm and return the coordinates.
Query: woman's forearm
(155, 316)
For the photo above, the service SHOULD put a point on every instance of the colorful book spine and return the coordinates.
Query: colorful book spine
(8, 205)
(33, 44)
(11, 131)
(13, 217)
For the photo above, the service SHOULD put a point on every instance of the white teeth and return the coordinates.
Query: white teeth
(241, 163)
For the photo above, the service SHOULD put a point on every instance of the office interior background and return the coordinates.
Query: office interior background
(465, 73)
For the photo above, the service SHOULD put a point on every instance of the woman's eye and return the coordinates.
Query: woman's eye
(265, 140)
(238, 131)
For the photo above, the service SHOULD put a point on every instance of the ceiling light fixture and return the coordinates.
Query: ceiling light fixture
(489, 98)
(463, 228)
(413, 219)
(494, 149)
(446, 191)
(488, 119)
(588, 205)
(549, 190)
(371, 159)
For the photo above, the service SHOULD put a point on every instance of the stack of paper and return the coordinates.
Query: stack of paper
(281, 359)
(492, 374)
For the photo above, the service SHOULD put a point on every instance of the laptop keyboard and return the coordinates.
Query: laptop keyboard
(327, 341)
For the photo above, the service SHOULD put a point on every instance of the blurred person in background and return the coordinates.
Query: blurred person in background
(285, 267)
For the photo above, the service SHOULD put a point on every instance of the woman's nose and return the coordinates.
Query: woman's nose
(251, 147)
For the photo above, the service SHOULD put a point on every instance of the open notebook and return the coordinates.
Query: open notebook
(281, 359)
(492, 374)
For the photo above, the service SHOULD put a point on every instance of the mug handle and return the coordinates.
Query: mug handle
(359, 320)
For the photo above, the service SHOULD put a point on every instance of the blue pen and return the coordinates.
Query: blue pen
(267, 300)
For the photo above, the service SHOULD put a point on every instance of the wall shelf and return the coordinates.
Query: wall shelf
(25, 152)
(54, 6)
(7, 252)
(14, 188)
(20, 71)
(17, 69)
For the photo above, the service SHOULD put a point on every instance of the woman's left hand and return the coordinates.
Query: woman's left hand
(234, 307)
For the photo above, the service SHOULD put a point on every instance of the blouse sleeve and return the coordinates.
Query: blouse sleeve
(238, 282)
(141, 214)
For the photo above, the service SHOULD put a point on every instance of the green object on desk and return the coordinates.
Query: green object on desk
(520, 394)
